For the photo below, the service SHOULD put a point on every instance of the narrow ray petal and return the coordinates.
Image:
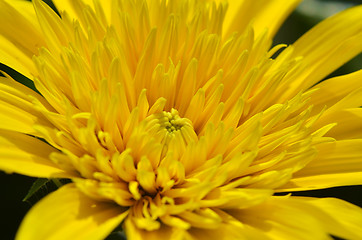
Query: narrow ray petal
(349, 124)
(27, 38)
(264, 14)
(13, 57)
(164, 232)
(278, 218)
(332, 90)
(27, 155)
(337, 164)
(327, 46)
(337, 217)
(18, 112)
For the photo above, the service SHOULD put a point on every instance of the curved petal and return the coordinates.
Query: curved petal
(68, 214)
(27, 155)
(228, 231)
(287, 218)
(236, 198)
(16, 119)
(333, 90)
(66, 6)
(17, 111)
(54, 31)
(26, 9)
(280, 221)
(73, 10)
(324, 34)
(326, 47)
(164, 232)
(27, 37)
(18, 45)
(231, 228)
(347, 104)
(338, 217)
(349, 124)
(15, 58)
(264, 14)
(337, 164)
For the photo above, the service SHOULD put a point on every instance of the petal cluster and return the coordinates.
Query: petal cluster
(176, 120)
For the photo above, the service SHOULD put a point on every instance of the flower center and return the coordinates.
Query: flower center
(155, 149)
(172, 131)
(172, 121)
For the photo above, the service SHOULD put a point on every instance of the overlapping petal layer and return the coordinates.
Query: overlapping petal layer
(75, 215)
(174, 117)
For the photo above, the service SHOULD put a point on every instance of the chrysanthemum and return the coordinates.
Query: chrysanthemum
(174, 120)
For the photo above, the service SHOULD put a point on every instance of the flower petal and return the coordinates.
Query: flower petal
(18, 45)
(278, 218)
(235, 198)
(15, 58)
(337, 164)
(67, 214)
(27, 155)
(231, 228)
(66, 6)
(16, 119)
(17, 111)
(27, 37)
(54, 30)
(228, 231)
(264, 14)
(164, 232)
(327, 46)
(338, 217)
(349, 124)
(332, 90)
(343, 110)
(26, 9)
(72, 9)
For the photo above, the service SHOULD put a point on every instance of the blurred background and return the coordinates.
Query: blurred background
(13, 188)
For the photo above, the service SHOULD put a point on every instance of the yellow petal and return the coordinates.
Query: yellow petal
(200, 220)
(264, 14)
(327, 46)
(226, 232)
(26, 9)
(16, 119)
(13, 57)
(332, 90)
(68, 7)
(27, 155)
(27, 37)
(18, 45)
(73, 10)
(164, 232)
(231, 228)
(352, 100)
(69, 214)
(279, 219)
(349, 124)
(338, 217)
(343, 110)
(337, 164)
(54, 30)
(235, 198)
(17, 112)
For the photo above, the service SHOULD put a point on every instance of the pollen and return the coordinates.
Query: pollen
(171, 121)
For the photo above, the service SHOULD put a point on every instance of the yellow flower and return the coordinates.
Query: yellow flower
(174, 119)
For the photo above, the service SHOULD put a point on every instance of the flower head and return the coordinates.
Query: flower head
(174, 120)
